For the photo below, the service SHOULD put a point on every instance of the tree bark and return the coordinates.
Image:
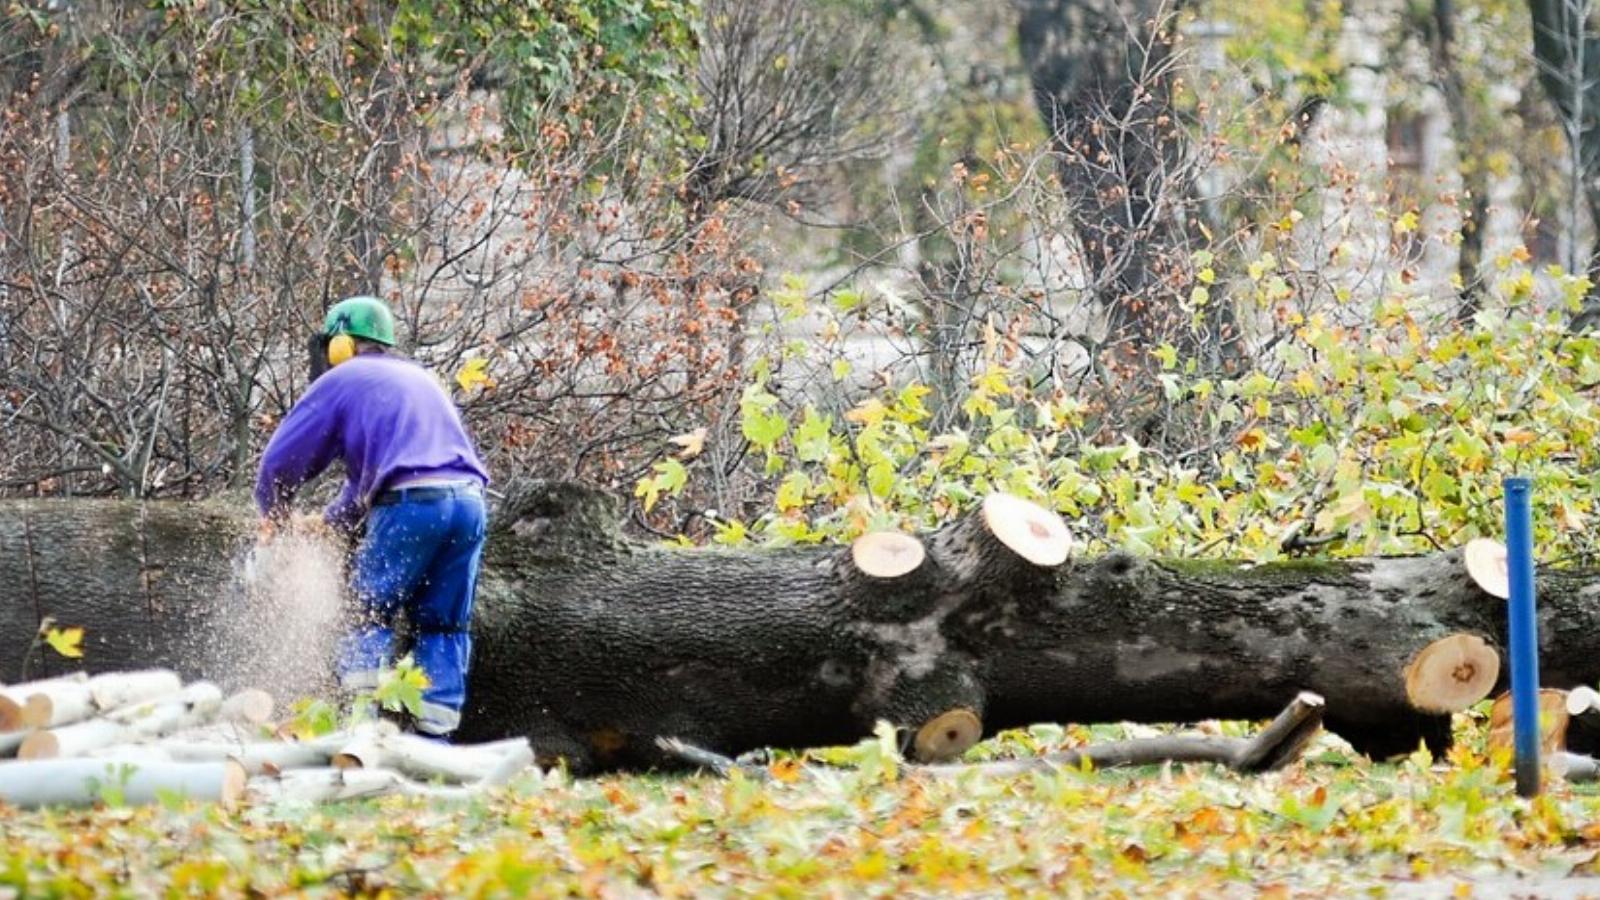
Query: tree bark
(592, 645)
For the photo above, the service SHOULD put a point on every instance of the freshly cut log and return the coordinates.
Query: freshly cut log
(327, 785)
(117, 689)
(332, 785)
(1553, 722)
(137, 754)
(194, 705)
(256, 757)
(142, 719)
(419, 757)
(251, 705)
(74, 740)
(86, 782)
(61, 703)
(1452, 673)
(591, 644)
(513, 762)
(14, 698)
(363, 752)
(1577, 768)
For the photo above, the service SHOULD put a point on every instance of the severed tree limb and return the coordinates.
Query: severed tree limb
(710, 760)
(1278, 744)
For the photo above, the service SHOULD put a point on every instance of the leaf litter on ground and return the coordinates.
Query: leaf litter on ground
(853, 822)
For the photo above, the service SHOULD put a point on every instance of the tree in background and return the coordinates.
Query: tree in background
(1566, 48)
(1103, 73)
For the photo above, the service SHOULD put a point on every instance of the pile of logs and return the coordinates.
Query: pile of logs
(136, 737)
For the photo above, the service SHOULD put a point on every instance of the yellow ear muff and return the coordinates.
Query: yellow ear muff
(340, 348)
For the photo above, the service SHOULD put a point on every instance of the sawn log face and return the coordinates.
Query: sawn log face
(592, 645)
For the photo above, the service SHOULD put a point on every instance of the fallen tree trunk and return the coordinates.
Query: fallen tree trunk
(592, 645)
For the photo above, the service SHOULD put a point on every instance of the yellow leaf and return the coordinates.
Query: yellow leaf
(1521, 254)
(1520, 436)
(474, 374)
(869, 413)
(66, 641)
(692, 443)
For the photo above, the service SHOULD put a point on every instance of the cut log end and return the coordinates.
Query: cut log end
(39, 745)
(1034, 533)
(1451, 674)
(1582, 699)
(36, 711)
(11, 715)
(948, 735)
(887, 554)
(1486, 563)
(1553, 722)
(235, 778)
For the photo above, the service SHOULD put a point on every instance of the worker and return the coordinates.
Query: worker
(414, 492)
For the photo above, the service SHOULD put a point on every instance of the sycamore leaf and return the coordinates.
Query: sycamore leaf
(67, 642)
(693, 443)
(475, 374)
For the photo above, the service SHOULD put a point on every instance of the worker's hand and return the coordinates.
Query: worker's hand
(266, 531)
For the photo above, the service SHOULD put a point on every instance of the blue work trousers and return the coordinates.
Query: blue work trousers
(420, 556)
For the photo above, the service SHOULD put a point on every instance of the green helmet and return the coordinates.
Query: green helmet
(362, 317)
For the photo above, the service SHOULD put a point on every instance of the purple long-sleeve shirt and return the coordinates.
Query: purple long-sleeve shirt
(389, 421)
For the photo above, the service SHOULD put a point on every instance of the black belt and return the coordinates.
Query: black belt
(427, 492)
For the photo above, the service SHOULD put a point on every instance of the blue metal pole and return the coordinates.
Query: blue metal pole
(1524, 635)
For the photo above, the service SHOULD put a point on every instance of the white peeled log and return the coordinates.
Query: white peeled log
(194, 705)
(257, 757)
(127, 723)
(328, 785)
(419, 757)
(74, 740)
(137, 754)
(513, 762)
(251, 706)
(495, 748)
(56, 704)
(1574, 767)
(114, 690)
(85, 782)
(332, 785)
(10, 741)
(13, 698)
(218, 732)
(361, 752)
